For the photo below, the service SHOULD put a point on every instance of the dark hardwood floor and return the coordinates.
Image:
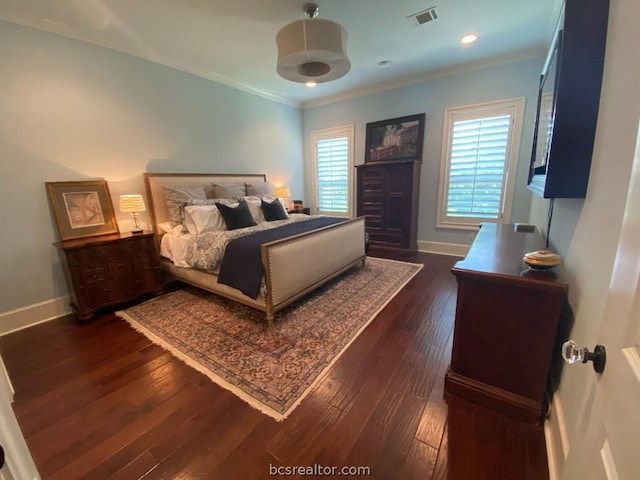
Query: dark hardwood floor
(98, 400)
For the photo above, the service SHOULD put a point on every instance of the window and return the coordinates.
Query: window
(333, 166)
(479, 158)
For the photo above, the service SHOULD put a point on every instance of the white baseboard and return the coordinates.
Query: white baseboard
(442, 248)
(24, 317)
(556, 439)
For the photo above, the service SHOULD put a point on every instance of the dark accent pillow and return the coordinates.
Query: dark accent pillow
(236, 217)
(273, 211)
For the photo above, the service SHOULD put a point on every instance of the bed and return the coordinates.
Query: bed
(293, 266)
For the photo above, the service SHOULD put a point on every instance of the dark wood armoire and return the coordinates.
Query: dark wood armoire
(388, 197)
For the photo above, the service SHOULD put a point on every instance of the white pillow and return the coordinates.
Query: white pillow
(254, 207)
(203, 218)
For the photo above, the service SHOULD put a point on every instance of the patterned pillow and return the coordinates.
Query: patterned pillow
(175, 199)
(273, 211)
(236, 217)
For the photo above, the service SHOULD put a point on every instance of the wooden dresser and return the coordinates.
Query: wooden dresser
(388, 198)
(109, 270)
(507, 317)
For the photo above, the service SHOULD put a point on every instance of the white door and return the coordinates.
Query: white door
(18, 462)
(610, 448)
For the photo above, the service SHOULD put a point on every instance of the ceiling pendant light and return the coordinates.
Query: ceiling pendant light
(312, 50)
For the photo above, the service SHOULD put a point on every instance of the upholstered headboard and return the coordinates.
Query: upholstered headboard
(154, 183)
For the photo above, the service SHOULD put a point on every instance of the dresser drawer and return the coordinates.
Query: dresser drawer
(98, 253)
(136, 245)
(144, 281)
(102, 293)
(373, 174)
(142, 261)
(92, 275)
(119, 266)
(386, 237)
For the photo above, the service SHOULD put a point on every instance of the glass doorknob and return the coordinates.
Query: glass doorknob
(573, 354)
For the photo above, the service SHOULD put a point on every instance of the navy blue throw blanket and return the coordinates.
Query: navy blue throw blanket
(241, 265)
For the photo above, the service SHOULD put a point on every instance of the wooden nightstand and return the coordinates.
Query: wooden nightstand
(304, 210)
(109, 270)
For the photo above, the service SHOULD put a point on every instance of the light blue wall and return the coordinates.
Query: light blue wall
(432, 97)
(73, 111)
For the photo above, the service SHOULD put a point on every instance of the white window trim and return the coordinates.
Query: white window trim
(517, 106)
(324, 134)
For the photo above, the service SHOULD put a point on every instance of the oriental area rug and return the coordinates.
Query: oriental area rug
(271, 369)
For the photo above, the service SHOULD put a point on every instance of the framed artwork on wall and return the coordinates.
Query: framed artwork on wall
(82, 209)
(395, 139)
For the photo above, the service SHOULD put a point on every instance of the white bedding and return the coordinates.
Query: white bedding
(174, 247)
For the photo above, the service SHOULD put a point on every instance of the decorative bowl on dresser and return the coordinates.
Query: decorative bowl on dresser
(108, 270)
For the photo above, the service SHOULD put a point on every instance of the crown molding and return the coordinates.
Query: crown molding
(494, 61)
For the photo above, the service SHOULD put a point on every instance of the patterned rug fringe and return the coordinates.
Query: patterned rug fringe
(202, 369)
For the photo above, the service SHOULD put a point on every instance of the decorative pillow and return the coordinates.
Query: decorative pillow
(203, 218)
(254, 207)
(229, 190)
(236, 217)
(259, 188)
(187, 219)
(273, 211)
(176, 197)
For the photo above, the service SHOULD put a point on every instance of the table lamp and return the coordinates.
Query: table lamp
(133, 204)
(284, 193)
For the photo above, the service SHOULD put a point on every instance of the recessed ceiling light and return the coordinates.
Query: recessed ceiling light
(311, 84)
(470, 38)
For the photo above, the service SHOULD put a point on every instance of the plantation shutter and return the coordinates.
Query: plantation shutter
(333, 174)
(479, 151)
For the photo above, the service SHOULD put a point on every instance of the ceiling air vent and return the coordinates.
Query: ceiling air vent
(420, 18)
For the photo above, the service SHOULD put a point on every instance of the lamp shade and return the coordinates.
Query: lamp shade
(312, 50)
(132, 203)
(283, 192)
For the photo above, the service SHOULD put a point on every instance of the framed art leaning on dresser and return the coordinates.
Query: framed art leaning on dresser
(82, 208)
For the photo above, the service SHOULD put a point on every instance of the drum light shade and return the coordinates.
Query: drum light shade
(132, 203)
(312, 50)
